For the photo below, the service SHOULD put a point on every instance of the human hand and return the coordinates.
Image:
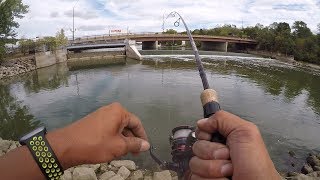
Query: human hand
(249, 157)
(106, 134)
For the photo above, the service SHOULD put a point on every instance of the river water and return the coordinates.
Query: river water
(282, 99)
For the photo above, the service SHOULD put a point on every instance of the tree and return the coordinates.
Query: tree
(301, 30)
(170, 31)
(61, 38)
(10, 11)
(283, 41)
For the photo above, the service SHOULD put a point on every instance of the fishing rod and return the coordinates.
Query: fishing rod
(183, 137)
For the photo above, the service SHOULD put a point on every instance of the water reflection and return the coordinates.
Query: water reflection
(291, 82)
(16, 119)
(49, 78)
(282, 100)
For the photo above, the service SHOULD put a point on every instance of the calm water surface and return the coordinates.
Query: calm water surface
(283, 100)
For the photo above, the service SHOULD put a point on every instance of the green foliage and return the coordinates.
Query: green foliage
(61, 38)
(298, 41)
(26, 46)
(2, 50)
(170, 31)
(44, 44)
(10, 11)
(226, 30)
(301, 30)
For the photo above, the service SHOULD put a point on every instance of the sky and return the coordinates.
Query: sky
(96, 17)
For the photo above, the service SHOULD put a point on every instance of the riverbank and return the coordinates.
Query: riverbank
(17, 66)
(286, 59)
(115, 170)
(127, 169)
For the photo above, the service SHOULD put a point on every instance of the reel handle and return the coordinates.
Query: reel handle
(210, 104)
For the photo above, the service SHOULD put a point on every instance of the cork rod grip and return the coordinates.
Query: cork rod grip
(209, 95)
(210, 103)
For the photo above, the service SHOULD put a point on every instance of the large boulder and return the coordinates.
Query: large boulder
(137, 175)
(148, 178)
(107, 175)
(316, 168)
(306, 169)
(4, 145)
(116, 177)
(124, 172)
(313, 161)
(314, 174)
(164, 175)
(104, 167)
(126, 163)
(302, 177)
(84, 173)
(66, 176)
(12, 146)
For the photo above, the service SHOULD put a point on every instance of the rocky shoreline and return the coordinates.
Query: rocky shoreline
(17, 66)
(115, 170)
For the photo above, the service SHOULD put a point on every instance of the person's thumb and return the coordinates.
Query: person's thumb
(136, 145)
(223, 122)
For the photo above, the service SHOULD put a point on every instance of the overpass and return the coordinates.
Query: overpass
(150, 41)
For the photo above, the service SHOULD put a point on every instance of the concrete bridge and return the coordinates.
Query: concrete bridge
(151, 41)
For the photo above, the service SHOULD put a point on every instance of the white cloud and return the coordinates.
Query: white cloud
(97, 16)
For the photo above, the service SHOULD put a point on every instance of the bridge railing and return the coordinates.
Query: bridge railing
(113, 37)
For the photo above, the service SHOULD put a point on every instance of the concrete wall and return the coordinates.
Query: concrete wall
(132, 51)
(45, 59)
(95, 54)
(149, 45)
(214, 46)
(61, 55)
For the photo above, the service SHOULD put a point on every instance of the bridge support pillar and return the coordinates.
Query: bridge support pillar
(183, 43)
(149, 45)
(214, 46)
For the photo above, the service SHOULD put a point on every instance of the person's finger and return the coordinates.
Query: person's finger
(202, 135)
(211, 168)
(222, 121)
(127, 133)
(196, 177)
(209, 150)
(136, 145)
(134, 124)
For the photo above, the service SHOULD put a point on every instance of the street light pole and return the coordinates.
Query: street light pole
(73, 24)
(73, 29)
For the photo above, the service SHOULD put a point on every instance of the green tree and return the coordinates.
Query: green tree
(27, 46)
(11, 10)
(283, 40)
(170, 31)
(301, 30)
(61, 38)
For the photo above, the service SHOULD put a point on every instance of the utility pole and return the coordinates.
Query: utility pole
(73, 25)
(163, 22)
(73, 28)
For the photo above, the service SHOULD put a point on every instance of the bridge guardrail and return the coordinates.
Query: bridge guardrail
(112, 37)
